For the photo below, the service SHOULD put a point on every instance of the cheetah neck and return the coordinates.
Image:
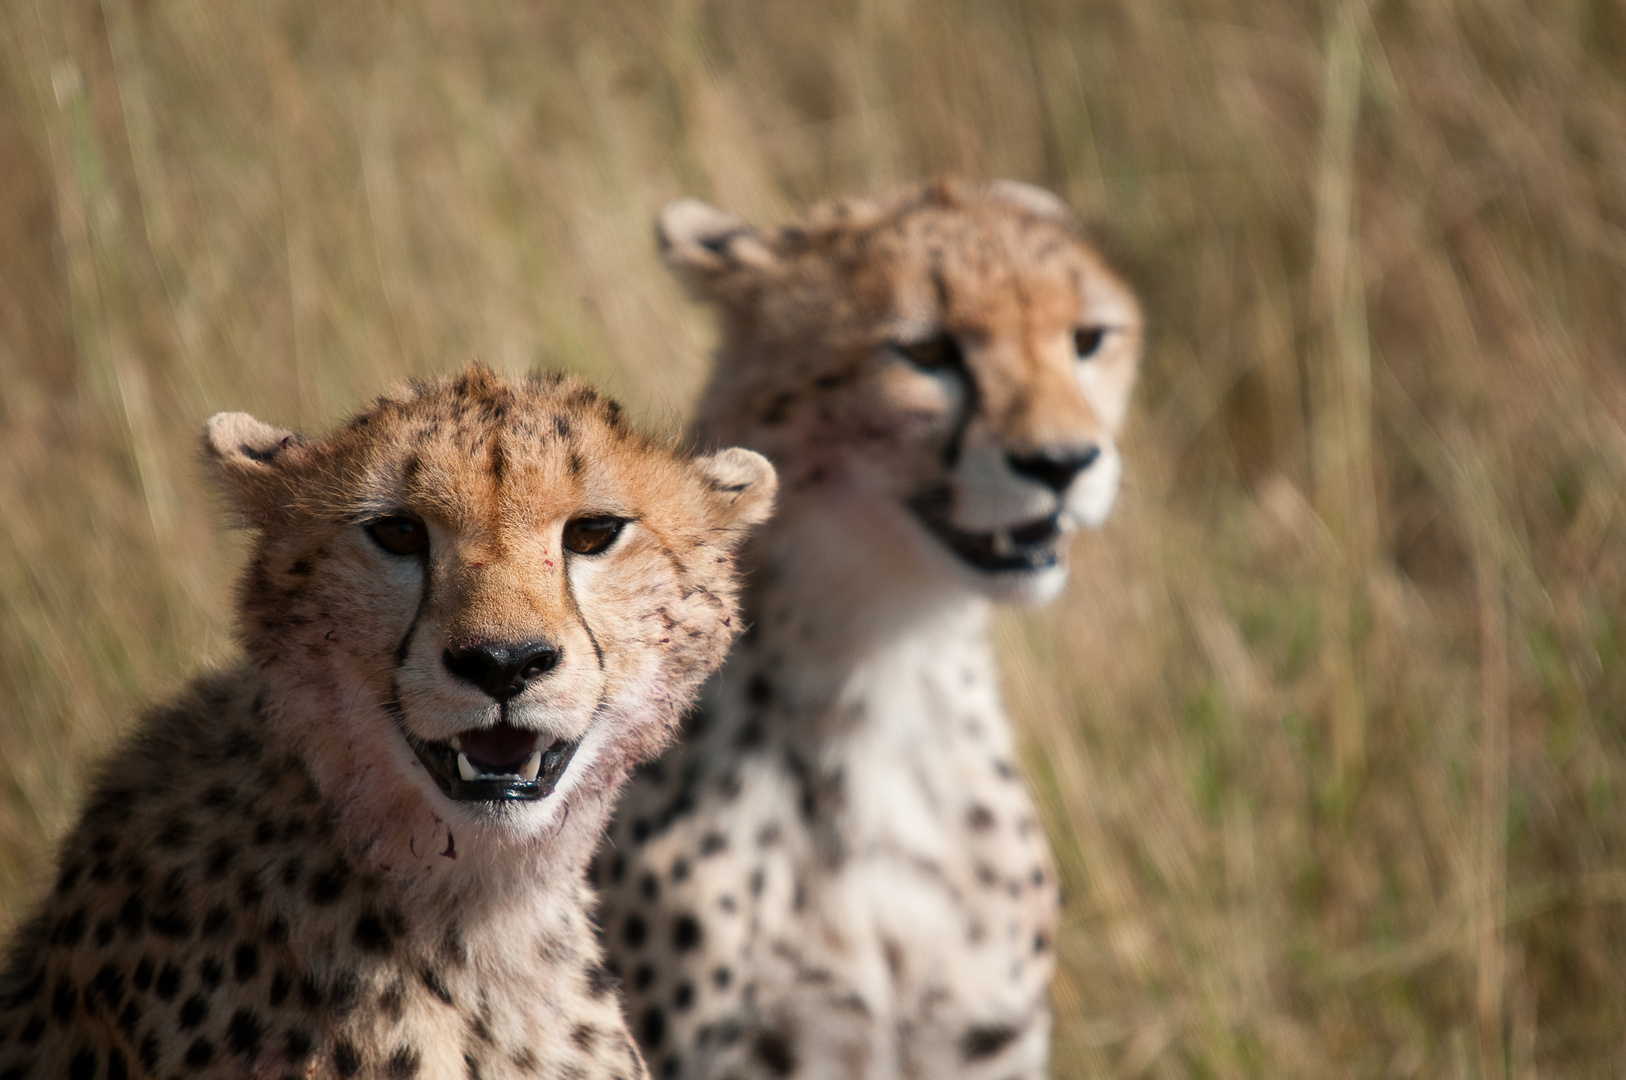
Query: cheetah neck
(858, 642)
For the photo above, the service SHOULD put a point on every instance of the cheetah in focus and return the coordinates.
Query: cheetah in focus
(838, 871)
(361, 852)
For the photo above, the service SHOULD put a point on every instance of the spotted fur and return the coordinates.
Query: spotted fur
(266, 880)
(838, 872)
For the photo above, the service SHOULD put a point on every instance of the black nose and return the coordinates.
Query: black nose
(1055, 468)
(501, 670)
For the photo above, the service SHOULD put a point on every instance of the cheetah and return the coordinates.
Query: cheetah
(361, 852)
(838, 872)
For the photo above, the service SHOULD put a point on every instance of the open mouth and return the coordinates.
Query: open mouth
(494, 764)
(1029, 547)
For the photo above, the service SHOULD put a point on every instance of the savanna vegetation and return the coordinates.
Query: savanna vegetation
(1329, 725)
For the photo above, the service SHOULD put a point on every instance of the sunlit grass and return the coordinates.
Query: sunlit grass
(1328, 727)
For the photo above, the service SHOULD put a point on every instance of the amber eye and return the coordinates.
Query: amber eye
(1087, 340)
(399, 534)
(932, 354)
(591, 535)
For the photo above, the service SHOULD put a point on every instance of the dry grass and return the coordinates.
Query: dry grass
(1330, 724)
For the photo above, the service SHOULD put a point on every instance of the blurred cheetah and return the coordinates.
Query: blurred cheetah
(838, 872)
(470, 612)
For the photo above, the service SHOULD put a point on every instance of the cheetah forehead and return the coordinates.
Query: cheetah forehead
(476, 443)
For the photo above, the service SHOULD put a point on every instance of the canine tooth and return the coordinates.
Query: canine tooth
(1003, 545)
(532, 766)
(466, 769)
(455, 743)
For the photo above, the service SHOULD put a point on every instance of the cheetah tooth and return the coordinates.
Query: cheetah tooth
(532, 766)
(1003, 544)
(455, 743)
(466, 769)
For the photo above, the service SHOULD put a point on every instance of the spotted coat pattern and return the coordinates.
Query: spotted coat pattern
(266, 881)
(839, 872)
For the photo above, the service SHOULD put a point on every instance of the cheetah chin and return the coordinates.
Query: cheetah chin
(495, 764)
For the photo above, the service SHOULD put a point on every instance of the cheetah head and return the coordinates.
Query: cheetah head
(952, 364)
(524, 589)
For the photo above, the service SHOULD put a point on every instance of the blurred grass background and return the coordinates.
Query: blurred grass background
(1329, 726)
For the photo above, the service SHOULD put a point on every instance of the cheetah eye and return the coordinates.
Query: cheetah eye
(591, 535)
(1087, 340)
(399, 534)
(933, 354)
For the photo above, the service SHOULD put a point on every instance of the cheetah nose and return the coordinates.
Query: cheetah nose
(501, 670)
(1055, 468)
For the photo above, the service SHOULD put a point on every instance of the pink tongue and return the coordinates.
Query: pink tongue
(500, 749)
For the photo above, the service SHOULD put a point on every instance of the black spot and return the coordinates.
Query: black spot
(211, 971)
(83, 1065)
(671, 1066)
(218, 922)
(200, 1053)
(371, 935)
(680, 869)
(171, 924)
(759, 691)
(329, 884)
(601, 981)
(131, 916)
(243, 1032)
(685, 933)
(634, 931)
(194, 1012)
(436, 987)
(298, 1044)
(345, 1058)
(980, 1043)
(653, 1028)
(344, 993)
(68, 878)
(712, 843)
(33, 1031)
(1003, 768)
(249, 890)
(130, 1017)
(979, 817)
(618, 868)
(245, 962)
(404, 1063)
(70, 930)
(639, 832)
(1040, 943)
(773, 1050)
(64, 1000)
(683, 995)
(107, 986)
(583, 1036)
(117, 1067)
(643, 976)
(105, 931)
(174, 833)
(148, 1051)
(722, 977)
(650, 886)
(281, 984)
(749, 737)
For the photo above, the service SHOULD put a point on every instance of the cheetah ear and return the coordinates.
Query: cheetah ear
(742, 485)
(1035, 200)
(701, 244)
(247, 455)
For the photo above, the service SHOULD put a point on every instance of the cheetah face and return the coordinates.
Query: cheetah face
(952, 366)
(523, 586)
